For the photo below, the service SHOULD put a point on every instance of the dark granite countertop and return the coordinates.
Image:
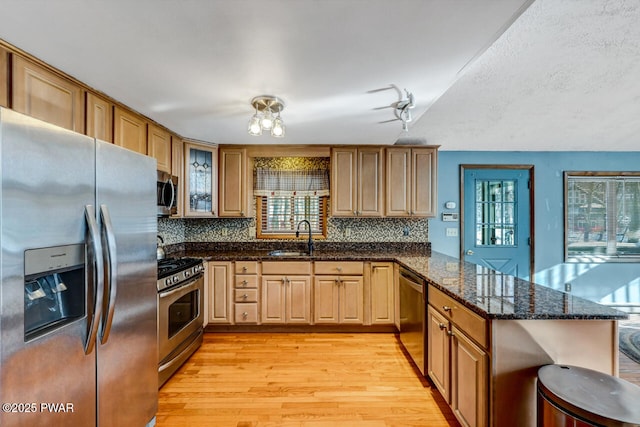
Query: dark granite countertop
(490, 294)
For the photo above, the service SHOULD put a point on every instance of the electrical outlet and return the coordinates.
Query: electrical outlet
(225, 231)
(405, 231)
(252, 232)
(347, 232)
(567, 287)
(452, 232)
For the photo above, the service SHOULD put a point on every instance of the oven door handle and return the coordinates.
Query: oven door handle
(185, 287)
(112, 273)
(94, 254)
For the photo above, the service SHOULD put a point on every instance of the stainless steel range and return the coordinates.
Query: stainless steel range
(180, 313)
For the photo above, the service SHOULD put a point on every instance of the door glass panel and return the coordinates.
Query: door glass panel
(200, 175)
(182, 312)
(495, 210)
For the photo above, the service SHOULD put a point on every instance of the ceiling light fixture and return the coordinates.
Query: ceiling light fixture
(263, 119)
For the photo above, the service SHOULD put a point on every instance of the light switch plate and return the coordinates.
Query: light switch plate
(452, 232)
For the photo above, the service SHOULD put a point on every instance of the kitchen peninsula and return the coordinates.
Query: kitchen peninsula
(488, 332)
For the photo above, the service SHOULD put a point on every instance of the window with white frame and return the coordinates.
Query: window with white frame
(602, 216)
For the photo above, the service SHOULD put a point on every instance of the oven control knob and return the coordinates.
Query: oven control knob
(176, 279)
(187, 273)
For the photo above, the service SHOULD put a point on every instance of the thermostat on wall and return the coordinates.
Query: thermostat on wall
(450, 205)
(450, 216)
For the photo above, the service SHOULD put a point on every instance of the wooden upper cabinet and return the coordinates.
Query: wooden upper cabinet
(177, 169)
(232, 194)
(130, 130)
(4, 77)
(411, 181)
(200, 180)
(423, 185)
(99, 115)
(47, 96)
(159, 147)
(357, 181)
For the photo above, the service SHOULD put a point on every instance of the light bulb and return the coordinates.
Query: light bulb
(267, 120)
(254, 127)
(278, 128)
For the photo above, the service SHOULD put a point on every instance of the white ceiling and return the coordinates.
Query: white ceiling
(564, 76)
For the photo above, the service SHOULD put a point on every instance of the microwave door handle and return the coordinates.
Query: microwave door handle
(112, 274)
(96, 266)
(173, 193)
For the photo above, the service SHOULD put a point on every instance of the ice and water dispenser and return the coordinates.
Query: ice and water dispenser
(54, 288)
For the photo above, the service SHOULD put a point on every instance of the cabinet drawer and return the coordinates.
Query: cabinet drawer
(287, 268)
(473, 325)
(339, 267)
(246, 281)
(246, 313)
(246, 267)
(245, 295)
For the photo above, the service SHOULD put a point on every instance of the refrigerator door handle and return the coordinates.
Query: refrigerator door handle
(111, 282)
(95, 260)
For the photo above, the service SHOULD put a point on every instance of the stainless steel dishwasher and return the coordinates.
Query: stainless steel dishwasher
(413, 295)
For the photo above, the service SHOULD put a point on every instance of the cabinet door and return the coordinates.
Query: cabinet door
(273, 299)
(326, 303)
(423, 182)
(398, 193)
(298, 299)
(177, 167)
(233, 182)
(351, 300)
(343, 181)
(382, 303)
(4, 77)
(469, 386)
(370, 182)
(438, 349)
(159, 147)
(47, 96)
(130, 130)
(99, 118)
(201, 180)
(220, 295)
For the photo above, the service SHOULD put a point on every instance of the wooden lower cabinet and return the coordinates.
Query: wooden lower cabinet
(469, 382)
(338, 300)
(219, 290)
(381, 291)
(458, 367)
(286, 299)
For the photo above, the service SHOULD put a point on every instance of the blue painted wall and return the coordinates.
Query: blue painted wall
(605, 283)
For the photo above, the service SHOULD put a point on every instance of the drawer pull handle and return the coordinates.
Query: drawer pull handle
(446, 308)
(244, 269)
(451, 334)
(339, 269)
(441, 326)
(245, 315)
(245, 296)
(244, 283)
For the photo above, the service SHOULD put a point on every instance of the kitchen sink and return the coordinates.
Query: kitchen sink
(287, 253)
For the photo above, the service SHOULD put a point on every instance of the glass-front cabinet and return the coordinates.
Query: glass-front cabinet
(201, 180)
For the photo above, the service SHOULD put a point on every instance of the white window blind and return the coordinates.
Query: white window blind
(286, 197)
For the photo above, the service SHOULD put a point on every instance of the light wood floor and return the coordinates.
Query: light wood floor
(310, 380)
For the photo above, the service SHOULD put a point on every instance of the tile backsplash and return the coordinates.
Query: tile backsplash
(178, 230)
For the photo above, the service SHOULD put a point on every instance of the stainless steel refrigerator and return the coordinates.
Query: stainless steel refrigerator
(78, 303)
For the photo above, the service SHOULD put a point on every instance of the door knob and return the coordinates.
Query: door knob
(469, 252)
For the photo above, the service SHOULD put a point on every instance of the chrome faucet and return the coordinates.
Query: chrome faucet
(310, 242)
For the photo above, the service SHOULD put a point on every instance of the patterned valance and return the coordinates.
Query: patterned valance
(277, 182)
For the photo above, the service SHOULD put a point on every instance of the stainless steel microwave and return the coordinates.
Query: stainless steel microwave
(167, 194)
